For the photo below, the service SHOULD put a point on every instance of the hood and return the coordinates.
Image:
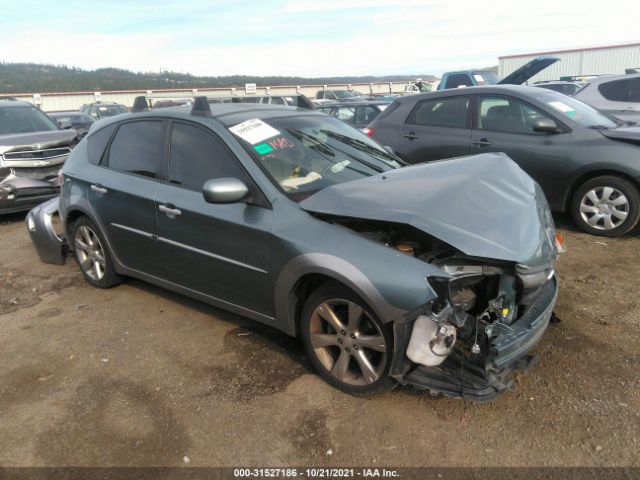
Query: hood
(483, 205)
(36, 140)
(627, 134)
(528, 70)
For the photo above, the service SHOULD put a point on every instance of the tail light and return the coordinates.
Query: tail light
(560, 247)
(60, 178)
(368, 131)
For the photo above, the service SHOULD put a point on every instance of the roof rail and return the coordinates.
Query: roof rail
(140, 104)
(201, 107)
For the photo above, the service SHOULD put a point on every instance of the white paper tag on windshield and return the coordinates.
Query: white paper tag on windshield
(561, 106)
(253, 131)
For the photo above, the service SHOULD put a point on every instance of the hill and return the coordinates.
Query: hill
(39, 78)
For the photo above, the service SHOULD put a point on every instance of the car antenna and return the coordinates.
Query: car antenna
(201, 107)
(140, 104)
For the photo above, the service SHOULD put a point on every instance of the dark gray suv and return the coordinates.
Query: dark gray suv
(294, 219)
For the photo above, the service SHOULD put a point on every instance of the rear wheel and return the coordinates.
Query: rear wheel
(607, 206)
(345, 342)
(91, 255)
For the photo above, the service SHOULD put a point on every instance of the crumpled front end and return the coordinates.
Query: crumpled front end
(481, 330)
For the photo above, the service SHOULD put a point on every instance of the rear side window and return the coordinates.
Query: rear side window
(441, 112)
(615, 91)
(137, 148)
(198, 156)
(97, 142)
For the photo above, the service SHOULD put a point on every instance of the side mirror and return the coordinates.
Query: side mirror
(389, 149)
(64, 124)
(224, 190)
(545, 125)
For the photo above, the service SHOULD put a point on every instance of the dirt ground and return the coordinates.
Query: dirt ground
(138, 376)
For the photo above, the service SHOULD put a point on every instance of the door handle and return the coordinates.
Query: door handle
(483, 142)
(170, 210)
(410, 136)
(99, 189)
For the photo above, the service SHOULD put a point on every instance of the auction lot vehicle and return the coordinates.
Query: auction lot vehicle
(78, 121)
(103, 109)
(617, 95)
(358, 115)
(566, 88)
(294, 219)
(32, 149)
(585, 161)
(342, 96)
(474, 78)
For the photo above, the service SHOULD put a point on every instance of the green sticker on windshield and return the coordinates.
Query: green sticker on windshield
(263, 148)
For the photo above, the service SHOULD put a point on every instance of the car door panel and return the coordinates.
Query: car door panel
(436, 129)
(544, 156)
(125, 202)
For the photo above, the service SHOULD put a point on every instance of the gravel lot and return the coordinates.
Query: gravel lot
(138, 376)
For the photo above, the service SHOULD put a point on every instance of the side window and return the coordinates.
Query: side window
(320, 94)
(345, 114)
(615, 91)
(502, 114)
(459, 80)
(441, 112)
(277, 101)
(198, 156)
(97, 142)
(366, 114)
(137, 148)
(634, 90)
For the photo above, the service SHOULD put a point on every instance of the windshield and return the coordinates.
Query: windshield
(576, 110)
(24, 120)
(111, 110)
(485, 77)
(344, 94)
(304, 154)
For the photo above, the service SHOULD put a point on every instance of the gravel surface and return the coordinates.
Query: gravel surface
(138, 376)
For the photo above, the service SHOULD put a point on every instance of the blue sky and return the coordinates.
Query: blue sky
(306, 38)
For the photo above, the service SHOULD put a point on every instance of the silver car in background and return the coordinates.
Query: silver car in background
(617, 95)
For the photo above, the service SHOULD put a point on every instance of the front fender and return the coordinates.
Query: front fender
(389, 297)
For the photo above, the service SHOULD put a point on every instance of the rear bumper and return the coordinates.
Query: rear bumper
(51, 247)
(508, 353)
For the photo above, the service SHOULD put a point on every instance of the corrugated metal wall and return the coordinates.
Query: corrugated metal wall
(52, 102)
(589, 61)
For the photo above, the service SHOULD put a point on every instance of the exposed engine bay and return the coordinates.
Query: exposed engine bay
(479, 303)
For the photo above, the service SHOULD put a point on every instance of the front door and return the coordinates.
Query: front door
(505, 124)
(435, 129)
(123, 195)
(221, 250)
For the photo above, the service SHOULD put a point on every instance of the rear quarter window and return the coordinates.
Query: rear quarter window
(615, 91)
(97, 143)
(441, 112)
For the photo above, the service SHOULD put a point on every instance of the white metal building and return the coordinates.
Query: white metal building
(609, 59)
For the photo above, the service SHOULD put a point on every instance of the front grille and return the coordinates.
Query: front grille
(37, 154)
(37, 173)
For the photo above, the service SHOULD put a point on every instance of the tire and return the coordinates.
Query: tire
(92, 257)
(607, 206)
(351, 354)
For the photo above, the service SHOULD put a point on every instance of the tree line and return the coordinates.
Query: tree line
(42, 78)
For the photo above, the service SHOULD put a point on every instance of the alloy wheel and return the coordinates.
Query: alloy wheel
(90, 253)
(604, 208)
(348, 342)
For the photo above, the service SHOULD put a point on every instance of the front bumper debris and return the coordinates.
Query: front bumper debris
(20, 193)
(465, 377)
(50, 245)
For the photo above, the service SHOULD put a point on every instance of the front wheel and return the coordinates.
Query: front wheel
(607, 206)
(345, 342)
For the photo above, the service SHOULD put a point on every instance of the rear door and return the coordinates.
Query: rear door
(124, 190)
(221, 250)
(435, 129)
(504, 124)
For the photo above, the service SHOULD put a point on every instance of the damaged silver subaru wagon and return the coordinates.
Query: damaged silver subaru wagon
(439, 276)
